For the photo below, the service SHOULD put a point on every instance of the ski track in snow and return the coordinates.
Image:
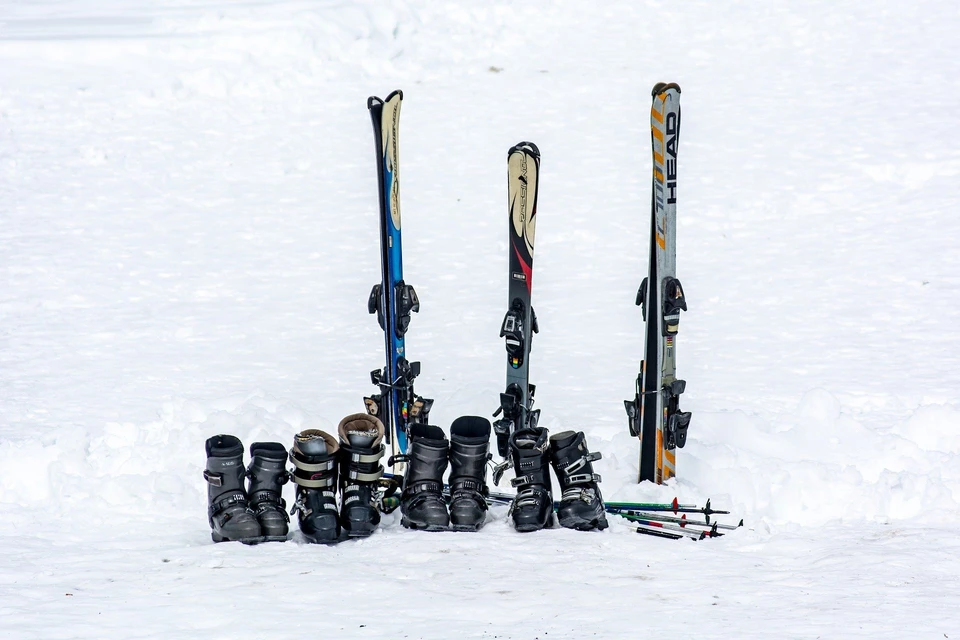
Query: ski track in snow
(188, 237)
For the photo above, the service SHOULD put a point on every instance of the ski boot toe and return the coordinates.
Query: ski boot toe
(526, 525)
(426, 512)
(422, 525)
(468, 518)
(360, 528)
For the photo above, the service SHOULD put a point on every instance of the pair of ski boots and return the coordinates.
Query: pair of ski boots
(422, 502)
(324, 465)
(581, 504)
(250, 512)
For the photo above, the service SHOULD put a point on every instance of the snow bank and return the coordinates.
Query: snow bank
(817, 465)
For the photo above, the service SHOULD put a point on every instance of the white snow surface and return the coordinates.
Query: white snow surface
(188, 234)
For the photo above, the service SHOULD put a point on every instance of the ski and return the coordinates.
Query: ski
(654, 414)
(396, 405)
(520, 322)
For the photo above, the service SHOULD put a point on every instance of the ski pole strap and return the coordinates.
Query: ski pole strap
(237, 499)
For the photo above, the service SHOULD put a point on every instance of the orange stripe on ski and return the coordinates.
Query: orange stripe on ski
(658, 115)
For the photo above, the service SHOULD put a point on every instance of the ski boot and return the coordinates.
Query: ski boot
(361, 448)
(469, 452)
(581, 505)
(314, 458)
(267, 476)
(230, 519)
(421, 502)
(532, 509)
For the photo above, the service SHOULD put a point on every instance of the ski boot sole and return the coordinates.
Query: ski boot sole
(418, 526)
(273, 538)
(584, 525)
(216, 537)
(315, 540)
(360, 531)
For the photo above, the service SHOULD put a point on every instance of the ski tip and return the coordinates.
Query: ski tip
(676, 505)
(660, 87)
(524, 147)
(395, 93)
(741, 523)
(374, 101)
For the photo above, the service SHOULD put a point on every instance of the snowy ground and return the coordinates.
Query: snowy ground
(188, 237)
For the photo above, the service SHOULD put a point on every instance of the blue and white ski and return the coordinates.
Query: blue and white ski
(397, 405)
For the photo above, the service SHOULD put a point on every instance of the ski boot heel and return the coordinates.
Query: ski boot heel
(581, 504)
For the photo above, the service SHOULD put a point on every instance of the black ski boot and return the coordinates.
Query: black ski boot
(581, 505)
(532, 509)
(267, 475)
(421, 502)
(230, 519)
(361, 448)
(314, 457)
(469, 452)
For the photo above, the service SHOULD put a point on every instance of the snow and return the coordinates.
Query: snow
(188, 238)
